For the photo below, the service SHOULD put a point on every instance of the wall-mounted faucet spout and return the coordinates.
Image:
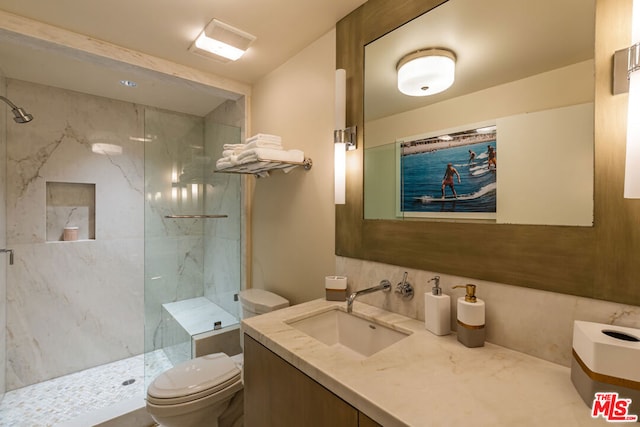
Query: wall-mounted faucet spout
(384, 285)
(20, 116)
(10, 251)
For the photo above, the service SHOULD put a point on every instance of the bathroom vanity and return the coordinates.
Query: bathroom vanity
(292, 377)
(277, 394)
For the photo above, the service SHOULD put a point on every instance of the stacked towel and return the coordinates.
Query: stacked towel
(258, 148)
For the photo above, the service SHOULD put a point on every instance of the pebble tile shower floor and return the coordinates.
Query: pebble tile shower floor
(65, 398)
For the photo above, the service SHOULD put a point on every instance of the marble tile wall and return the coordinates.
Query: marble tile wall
(3, 241)
(69, 308)
(535, 322)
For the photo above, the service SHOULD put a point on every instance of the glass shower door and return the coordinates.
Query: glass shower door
(192, 234)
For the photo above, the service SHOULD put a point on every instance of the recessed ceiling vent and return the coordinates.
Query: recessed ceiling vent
(221, 42)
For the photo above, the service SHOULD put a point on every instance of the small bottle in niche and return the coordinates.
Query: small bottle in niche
(70, 234)
(471, 330)
(437, 310)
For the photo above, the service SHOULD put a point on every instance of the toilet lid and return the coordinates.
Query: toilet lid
(195, 378)
(260, 301)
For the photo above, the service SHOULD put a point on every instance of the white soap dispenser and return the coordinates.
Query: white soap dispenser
(470, 318)
(437, 310)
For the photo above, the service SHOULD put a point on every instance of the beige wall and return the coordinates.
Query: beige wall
(293, 214)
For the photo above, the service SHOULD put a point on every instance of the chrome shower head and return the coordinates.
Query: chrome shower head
(20, 116)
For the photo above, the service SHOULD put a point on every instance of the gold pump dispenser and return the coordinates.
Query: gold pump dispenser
(471, 292)
(471, 318)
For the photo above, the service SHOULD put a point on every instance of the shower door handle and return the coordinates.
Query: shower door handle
(10, 255)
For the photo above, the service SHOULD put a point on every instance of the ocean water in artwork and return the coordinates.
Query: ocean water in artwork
(423, 174)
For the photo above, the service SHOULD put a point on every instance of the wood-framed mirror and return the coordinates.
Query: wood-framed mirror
(597, 262)
(522, 85)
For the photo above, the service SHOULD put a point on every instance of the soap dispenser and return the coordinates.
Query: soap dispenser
(471, 330)
(437, 310)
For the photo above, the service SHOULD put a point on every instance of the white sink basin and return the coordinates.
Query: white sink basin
(338, 329)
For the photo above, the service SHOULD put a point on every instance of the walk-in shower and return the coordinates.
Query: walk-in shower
(20, 116)
(154, 227)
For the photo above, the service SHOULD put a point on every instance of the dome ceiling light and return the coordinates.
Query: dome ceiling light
(426, 72)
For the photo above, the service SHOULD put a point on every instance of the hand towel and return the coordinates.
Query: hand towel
(295, 156)
(260, 143)
(264, 137)
(223, 163)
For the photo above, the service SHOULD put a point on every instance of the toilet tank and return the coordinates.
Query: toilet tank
(259, 301)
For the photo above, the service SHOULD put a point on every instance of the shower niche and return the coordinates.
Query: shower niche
(71, 211)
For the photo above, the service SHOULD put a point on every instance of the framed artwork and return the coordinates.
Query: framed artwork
(449, 174)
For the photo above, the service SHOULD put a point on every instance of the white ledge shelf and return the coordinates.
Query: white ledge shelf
(262, 167)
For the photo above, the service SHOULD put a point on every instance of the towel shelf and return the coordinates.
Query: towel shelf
(261, 168)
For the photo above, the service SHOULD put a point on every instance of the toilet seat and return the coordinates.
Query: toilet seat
(194, 379)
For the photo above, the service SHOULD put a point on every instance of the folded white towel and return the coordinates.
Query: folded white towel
(234, 147)
(264, 137)
(249, 158)
(223, 163)
(261, 143)
(246, 156)
(230, 153)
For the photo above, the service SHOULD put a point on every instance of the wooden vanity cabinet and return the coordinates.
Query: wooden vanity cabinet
(276, 394)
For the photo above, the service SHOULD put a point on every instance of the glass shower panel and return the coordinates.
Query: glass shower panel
(223, 245)
(192, 233)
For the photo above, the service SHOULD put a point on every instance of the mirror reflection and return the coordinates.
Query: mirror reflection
(521, 102)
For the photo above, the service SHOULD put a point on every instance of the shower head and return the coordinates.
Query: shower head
(20, 116)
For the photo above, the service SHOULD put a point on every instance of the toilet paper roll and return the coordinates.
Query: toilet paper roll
(335, 282)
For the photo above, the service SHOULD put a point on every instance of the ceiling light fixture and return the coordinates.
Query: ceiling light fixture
(222, 42)
(426, 72)
(486, 129)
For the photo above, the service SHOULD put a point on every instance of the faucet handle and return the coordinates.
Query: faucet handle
(404, 288)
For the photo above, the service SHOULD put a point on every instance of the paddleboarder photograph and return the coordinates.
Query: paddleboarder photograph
(439, 173)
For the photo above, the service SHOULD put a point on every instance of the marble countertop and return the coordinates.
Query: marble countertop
(426, 380)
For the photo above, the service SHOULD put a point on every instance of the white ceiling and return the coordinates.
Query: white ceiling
(165, 29)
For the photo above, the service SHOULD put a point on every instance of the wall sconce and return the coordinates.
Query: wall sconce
(426, 72)
(626, 78)
(344, 138)
(221, 41)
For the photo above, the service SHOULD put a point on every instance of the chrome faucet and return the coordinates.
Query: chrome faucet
(384, 285)
(10, 252)
(404, 288)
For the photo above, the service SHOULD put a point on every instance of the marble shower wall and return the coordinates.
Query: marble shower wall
(73, 305)
(4, 260)
(531, 321)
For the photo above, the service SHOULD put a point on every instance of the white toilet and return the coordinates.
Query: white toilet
(207, 390)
